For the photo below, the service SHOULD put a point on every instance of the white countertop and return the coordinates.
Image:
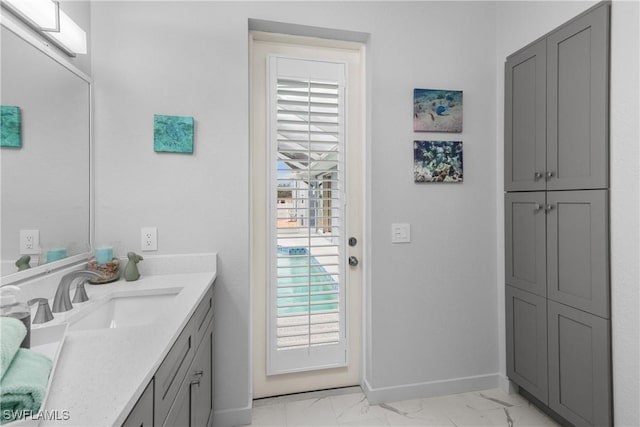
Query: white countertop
(101, 373)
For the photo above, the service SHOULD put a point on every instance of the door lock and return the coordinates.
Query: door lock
(353, 241)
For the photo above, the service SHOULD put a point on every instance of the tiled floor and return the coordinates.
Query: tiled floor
(349, 407)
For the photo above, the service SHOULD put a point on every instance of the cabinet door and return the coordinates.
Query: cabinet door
(142, 414)
(525, 244)
(526, 326)
(525, 116)
(579, 366)
(202, 385)
(578, 250)
(180, 413)
(577, 103)
(173, 370)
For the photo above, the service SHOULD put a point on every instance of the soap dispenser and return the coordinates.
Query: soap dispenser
(11, 305)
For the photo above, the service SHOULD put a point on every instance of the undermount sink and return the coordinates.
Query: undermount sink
(119, 311)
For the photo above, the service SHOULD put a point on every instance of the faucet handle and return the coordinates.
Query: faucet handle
(81, 293)
(43, 314)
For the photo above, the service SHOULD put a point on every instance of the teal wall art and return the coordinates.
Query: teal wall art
(172, 134)
(10, 127)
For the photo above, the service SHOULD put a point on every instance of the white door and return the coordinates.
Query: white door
(306, 155)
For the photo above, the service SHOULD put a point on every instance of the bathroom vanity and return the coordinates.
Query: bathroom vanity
(138, 353)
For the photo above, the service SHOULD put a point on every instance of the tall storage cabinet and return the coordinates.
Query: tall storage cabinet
(557, 219)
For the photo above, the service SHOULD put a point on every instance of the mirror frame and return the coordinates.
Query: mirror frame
(28, 36)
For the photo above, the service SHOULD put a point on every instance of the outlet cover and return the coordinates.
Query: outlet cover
(400, 233)
(149, 238)
(29, 242)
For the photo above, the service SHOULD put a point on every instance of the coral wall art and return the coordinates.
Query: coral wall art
(10, 127)
(437, 161)
(437, 110)
(173, 134)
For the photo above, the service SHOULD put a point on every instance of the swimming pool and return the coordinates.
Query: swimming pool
(304, 285)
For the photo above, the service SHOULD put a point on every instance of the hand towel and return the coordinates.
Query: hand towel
(12, 332)
(24, 385)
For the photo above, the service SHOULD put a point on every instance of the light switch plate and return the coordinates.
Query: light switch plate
(400, 233)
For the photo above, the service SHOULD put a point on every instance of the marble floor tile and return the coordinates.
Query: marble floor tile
(269, 415)
(354, 407)
(311, 412)
(350, 408)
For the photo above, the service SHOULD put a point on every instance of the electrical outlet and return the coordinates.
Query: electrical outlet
(29, 242)
(149, 238)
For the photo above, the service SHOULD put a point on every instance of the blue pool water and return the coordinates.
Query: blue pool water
(308, 276)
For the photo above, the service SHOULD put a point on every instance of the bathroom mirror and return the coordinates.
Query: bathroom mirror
(45, 182)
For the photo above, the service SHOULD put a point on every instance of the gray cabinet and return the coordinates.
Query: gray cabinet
(202, 384)
(172, 371)
(526, 327)
(193, 403)
(525, 242)
(142, 414)
(579, 366)
(525, 151)
(577, 102)
(557, 293)
(556, 108)
(578, 250)
(181, 392)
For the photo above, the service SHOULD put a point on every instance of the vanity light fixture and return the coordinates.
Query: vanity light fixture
(70, 38)
(46, 17)
(42, 15)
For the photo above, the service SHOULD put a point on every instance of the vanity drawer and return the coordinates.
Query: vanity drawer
(173, 370)
(203, 316)
(175, 366)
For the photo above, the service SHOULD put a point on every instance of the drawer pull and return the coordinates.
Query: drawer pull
(198, 373)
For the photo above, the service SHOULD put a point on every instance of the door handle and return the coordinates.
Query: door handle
(548, 208)
(537, 176)
(537, 207)
(353, 241)
(549, 175)
(353, 261)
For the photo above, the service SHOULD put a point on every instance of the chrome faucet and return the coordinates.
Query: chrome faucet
(62, 301)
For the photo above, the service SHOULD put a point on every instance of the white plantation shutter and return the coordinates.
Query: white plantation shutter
(306, 325)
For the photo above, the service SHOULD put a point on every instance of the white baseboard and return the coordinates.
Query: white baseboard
(507, 386)
(232, 417)
(429, 389)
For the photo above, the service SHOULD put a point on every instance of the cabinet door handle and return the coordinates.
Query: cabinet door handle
(537, 207)
(548, 208)
(537, 176)
(549, 175)
(195, 382)
(198, 373)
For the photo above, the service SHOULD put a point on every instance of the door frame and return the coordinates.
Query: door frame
(364, 215)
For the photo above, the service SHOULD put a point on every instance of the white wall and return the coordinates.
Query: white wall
(519, 23)
(433, 302)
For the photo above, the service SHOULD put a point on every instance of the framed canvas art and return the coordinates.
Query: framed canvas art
(173, 134)
(437, 161)
(10, 127)
(436, 110)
